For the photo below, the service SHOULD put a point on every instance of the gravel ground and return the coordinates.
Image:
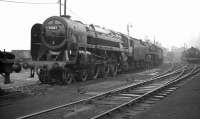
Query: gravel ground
(19, 80)
(35, 96)
(184, 103)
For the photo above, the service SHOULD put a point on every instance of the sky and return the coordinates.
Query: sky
(169, 22)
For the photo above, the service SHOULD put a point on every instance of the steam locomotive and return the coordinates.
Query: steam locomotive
(64, 50)
(8, 65)
(191, 55)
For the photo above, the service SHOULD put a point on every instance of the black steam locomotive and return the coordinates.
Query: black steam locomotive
(8, 65)
(191, 55)
(64, 50)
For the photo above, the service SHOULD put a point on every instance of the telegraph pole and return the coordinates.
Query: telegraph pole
(60, 6)
(128, 29)
(65, 7)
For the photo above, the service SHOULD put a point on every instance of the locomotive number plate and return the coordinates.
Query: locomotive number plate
(52, 27)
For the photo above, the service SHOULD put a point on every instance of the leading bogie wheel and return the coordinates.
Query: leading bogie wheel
(67, 76)
(83, 75)
(43, 75)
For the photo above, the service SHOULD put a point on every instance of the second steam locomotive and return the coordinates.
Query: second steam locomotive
(64, 50)
(191, 55)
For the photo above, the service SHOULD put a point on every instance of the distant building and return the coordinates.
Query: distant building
(22, 55)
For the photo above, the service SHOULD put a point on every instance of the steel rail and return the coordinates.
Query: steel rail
(168, 71)
(163, 73)
(101, 94)
(192, 72)
(140, 98)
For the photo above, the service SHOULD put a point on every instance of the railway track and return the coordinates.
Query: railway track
(174, 66)
(148, 102)
(10, 93)
(140, 103)
(104, 104)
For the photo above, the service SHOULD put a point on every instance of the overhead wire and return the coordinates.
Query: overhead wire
(23, 2)
(78, 16)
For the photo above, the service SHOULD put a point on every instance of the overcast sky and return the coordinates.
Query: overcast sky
(172, 22)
